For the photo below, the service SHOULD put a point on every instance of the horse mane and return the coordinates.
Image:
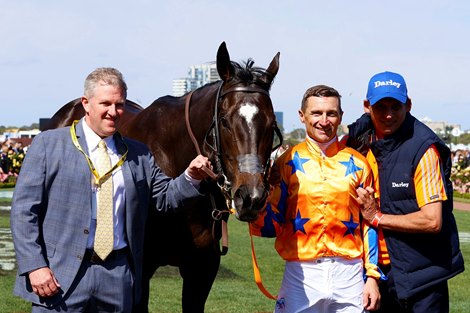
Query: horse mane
(249, 74)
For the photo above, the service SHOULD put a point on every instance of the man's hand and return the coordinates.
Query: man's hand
(369, 207)
(196, 167)
(44, 282)
(371, 295)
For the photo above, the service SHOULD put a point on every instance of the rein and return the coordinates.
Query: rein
(216, 213)
(207, 170)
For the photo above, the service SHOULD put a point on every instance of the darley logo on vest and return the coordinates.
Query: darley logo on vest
(400, 185)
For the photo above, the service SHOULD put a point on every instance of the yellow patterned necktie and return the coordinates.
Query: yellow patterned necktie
(104, 238)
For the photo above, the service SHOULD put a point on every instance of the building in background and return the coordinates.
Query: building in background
(18, 134)
(198, 76)
(442, 128)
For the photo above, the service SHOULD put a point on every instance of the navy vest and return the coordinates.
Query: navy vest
(418, 260)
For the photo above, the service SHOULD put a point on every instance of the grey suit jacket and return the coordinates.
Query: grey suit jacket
(51, 208)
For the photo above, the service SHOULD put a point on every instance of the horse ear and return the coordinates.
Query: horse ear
(224, 66)
(274, 65)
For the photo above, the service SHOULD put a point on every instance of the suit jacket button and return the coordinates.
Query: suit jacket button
(86, 232)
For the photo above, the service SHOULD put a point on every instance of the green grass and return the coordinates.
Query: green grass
(4, 219)
(459, 286)
(7, 185)
(5, 215)
(234, 289)
(8, 302)
(462, 198)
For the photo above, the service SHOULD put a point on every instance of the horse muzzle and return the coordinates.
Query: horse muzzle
(249, 201)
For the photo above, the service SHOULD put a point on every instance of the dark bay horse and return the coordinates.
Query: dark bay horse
(232, 122)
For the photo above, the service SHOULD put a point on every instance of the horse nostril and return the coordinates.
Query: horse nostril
(250, 200)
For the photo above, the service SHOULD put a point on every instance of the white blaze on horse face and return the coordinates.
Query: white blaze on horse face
(248, 112)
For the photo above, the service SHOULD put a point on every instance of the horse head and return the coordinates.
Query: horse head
(245, 125)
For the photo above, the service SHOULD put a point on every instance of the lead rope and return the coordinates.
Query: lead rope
(216, 214)
(256, 271)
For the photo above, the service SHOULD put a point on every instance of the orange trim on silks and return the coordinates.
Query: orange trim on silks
(256, 270)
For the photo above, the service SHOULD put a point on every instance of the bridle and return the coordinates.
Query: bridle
(221, 179)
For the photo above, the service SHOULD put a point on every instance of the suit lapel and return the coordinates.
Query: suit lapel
(84, 177)
(128, 173)
(81, 136)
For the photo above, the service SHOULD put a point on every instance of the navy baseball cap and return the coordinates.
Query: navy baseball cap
(387, 85)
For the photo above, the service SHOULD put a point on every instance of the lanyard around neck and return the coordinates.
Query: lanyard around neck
(98, 179)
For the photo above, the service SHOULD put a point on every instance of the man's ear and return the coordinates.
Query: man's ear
(85, 103)
(408, 105)
(301, 116)
(366, 106)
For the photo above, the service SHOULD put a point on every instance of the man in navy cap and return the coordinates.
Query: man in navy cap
(419, 238)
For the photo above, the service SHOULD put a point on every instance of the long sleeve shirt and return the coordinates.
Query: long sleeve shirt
(313, 212)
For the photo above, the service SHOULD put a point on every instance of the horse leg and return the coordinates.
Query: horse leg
(198, 273)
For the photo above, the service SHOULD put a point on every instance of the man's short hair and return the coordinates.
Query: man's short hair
(107, 76)
(321, 91)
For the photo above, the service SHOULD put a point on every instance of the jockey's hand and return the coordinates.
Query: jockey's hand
(371, 294)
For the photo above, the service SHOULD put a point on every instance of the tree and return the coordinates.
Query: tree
(295, 136)
(463, 139)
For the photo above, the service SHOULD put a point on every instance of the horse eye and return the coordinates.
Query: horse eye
(224, 123)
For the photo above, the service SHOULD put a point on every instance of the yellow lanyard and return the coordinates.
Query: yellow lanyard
(98, 178)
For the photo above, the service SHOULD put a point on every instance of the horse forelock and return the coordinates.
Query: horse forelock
(248, 74)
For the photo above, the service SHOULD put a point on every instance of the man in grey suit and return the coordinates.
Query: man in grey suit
(54, 208)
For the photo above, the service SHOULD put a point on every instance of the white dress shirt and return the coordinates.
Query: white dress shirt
(119, 192)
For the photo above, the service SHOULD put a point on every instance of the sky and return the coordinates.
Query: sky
(49, 47)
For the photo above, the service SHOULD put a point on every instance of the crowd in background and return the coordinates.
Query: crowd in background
(11, 158)
(461, 171)
(13, 152)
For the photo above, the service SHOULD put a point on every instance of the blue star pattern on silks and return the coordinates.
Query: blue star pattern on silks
(282, 205)
(351, 167)
(297, 163)
(299, 223)
(350, 225)
(268, 230)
